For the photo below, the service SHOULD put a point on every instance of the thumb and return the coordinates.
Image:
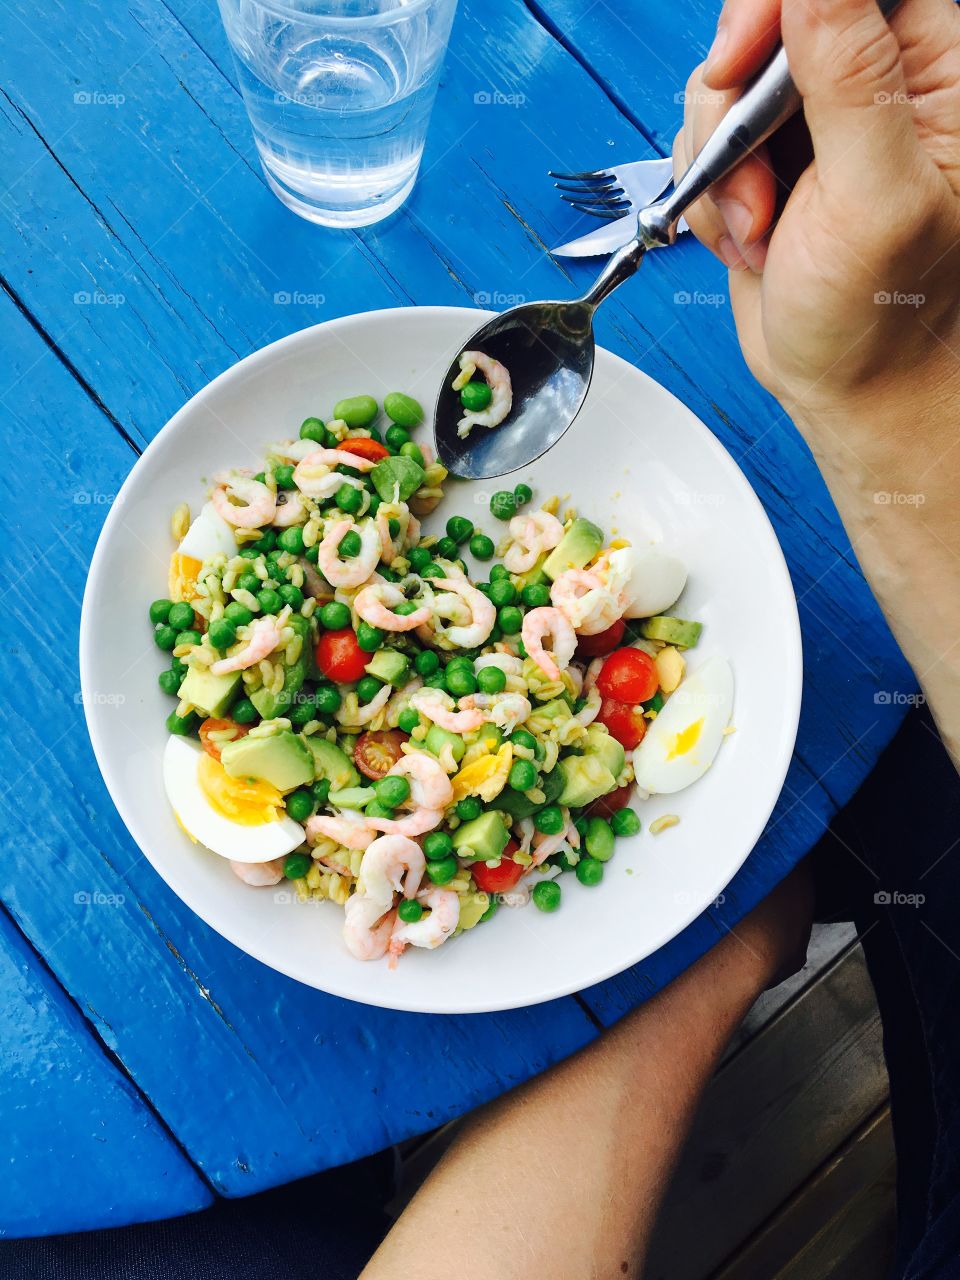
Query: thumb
(845, 61)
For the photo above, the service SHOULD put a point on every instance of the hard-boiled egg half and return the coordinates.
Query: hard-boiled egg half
(683, 740)
(239, 818)
(209, 535)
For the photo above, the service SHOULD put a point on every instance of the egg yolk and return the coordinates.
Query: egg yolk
(685, 740)
(246, 801)
(182, 579)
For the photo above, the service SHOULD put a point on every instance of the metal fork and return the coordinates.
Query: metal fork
(611, 193)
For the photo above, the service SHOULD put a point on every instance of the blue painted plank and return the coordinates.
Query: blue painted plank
(73, 1126)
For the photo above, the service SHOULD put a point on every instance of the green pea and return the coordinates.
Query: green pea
(503, 505)
(403, 409)
(481, 546)
(437, 846)
(165, 637)
(393, 526)
(350, 545)
(348, 499)
(374, 506)
(408, 720)
(269, 600)
(248, 553)
(475, 396)
(283, 474)
(491, 910)
(238, 614)
(446, 549)
(461, 681)
(437, 681)
(426, 662)
(301, 713)
(469, 808)
(369, 638)
(313, 429)
(484, 588)
(599, 840)
(296, 865)
(432, 571)
(535, 595)
(442, 872)
(491, 680)
(188, 637)
(392, 791)
(510, 619)
(522, 776)
(291, 540)
(368, 687)
(181, 724)
(244, 712)
(181, 616)
(419, 558)
(300, 806)
(160, 611)
(625, 823)
(321, 791)
(460, 529)
(523, 493)
(169, 682)
(550, 820)
(264, 544)
(335, 616)
(581, 825)
(460, 660)
(502, 591)
(312, 554)
(409, 911)
(523, 738)
(248, 582)
(222, 633)
(655, 703)
(499, 571)
(405, 608)
(546, 895)
(356, 411)
(589, 871)
(411, 450)
(395, 438)
(291, 595)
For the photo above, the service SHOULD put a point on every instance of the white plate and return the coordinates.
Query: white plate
(636, 461)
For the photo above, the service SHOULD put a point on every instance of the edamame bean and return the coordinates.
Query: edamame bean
(403, 409)
(599, 840)
(356, 411)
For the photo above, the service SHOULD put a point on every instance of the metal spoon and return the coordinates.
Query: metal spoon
(548, 347)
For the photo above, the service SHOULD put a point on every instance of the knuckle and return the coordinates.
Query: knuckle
(864, 56)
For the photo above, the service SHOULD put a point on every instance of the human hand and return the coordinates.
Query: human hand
(874, 216)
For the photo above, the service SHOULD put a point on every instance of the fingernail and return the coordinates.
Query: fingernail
(715, 56)
(738, 218)
(730, 255)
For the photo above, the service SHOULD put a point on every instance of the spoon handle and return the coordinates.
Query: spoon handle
(769, 101)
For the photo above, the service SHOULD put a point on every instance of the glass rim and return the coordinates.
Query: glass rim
(288, 9)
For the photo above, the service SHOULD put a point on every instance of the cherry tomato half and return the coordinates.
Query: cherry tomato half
(611, 803)
(602, 643)
(340, 657)
(364, 447)
(498, 879)
(219, 726)
(624, 721)
(629, 675)
(376, 753)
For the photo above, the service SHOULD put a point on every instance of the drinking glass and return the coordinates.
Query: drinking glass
(339, 94)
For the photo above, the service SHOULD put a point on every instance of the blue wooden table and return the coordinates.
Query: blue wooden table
(145, 1064)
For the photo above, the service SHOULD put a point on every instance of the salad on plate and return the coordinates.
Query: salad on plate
(360, 713)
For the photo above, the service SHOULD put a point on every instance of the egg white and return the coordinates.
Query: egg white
(706, 694)
(209, 535)
(656, 581)
(201, 821)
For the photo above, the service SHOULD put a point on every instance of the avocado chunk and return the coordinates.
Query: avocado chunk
(397, 478)
(585, 779)
(279, 758)
(352, 797)
(331, 763)
(606, 748)
(519, 805)
(582, 541)
(210, 694)
(485, 838)
(672, 630)
(437, 738)
(389, 666)
(270, 705)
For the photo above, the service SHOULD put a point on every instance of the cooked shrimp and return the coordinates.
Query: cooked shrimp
(430, 788)
(373, 606)
(257, 504)
(532, 535)
(414, 824)
(438, 706)
(433, 929)
(505, 710)
(290, 511)
(366, 929)
(348, 828)
(593, 599)
(590, 675)
(543, 622)
(391, 864)
(259, 874)
(263, 636)
(591, 708)
(367, 711)
(483, 616)
(348, 573)
(498, 380)
(326, 486)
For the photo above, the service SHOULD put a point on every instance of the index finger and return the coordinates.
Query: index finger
(747, 32)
